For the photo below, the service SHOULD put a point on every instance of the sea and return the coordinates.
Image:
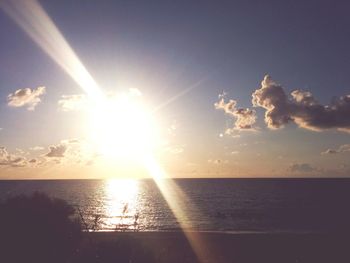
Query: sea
(219, 205)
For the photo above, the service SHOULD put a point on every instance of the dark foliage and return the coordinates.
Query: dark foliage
(37, 229)
(124, 249)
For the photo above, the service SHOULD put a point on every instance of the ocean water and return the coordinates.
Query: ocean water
(225, 205)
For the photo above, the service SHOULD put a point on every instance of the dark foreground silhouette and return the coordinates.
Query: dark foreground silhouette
(40, 229)
(37, 228)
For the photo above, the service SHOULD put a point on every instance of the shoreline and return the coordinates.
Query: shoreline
(223, 232)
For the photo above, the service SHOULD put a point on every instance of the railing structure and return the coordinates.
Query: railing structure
(97, 222)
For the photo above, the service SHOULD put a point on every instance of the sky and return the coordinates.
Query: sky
(92, 89)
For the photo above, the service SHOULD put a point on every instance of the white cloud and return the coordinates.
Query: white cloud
(26, 98)
(75, 102)
(244, 118)
(36, 148)
(301, 108)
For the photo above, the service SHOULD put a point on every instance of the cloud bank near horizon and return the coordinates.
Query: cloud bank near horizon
(12, 160)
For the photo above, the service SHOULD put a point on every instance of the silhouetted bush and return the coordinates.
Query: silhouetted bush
(124, 249)
(37, 229)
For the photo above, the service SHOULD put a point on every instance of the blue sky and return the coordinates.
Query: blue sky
(165, 47)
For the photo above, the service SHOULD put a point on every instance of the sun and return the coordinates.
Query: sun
(123, 127)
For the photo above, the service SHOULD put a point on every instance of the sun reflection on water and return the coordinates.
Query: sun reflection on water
(121, 208)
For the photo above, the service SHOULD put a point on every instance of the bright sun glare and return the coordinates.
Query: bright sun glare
(122, 127)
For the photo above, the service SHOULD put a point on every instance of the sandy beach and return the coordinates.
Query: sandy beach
(220, 247)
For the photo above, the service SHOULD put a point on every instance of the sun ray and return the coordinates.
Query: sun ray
(180, 94)
(33, 19)
(177, 201)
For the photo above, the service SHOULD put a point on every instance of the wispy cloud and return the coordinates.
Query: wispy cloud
(175, 149)
(36, 148)
(341, 149)
(27, 97)
(301, 168)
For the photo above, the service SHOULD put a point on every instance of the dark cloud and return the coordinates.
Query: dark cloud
(71, 152)
(19, 162)
(25, 97)
(301, 108)
(244, 118)
(341, 149)
(301, 168)
(218, 161)
(329, 151)
(57, 151)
